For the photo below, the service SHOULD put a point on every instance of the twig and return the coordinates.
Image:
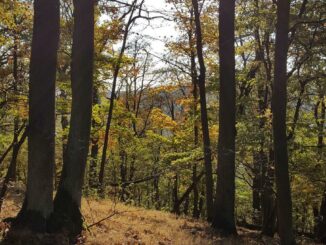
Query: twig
(104, 219)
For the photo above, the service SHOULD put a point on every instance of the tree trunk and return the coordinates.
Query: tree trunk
(157, 193)
(92, 181)
(13, 162)
(175, 196)
(224, 219)
(256, 189)
(196, 212)
(112, 98)
(320, 120)
(123, 171)
(11, 166)
(321, 227)
(41, 136)
(260, 157)
(268, 199)
(64, 126)
(66, 215)
(204, 117)
(279, 100)
(194, 81)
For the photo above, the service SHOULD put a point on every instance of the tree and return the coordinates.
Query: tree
(224, 219)
(38, 205)
(320, 117)
(203, 111)
(279, 100)
(67, 201)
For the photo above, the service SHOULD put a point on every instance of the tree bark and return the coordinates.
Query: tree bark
(268, 199)
(93, 181)
(224, 219)
(204, 117)
(320, 120)
(9, 171)
(279, 101)
(41, 136)
(66, 215)
(113, 95)
(321, 227)
(175, 195)
(194, 81)
(13, 162)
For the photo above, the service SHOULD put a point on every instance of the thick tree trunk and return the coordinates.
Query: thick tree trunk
(224, 219)
(41, 136)
(66, 215)
(279, 101)
(204, 117)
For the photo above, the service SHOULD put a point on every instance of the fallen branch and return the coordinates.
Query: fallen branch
(104, 219)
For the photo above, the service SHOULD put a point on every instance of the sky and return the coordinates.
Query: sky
(159, 29)
(156, 33)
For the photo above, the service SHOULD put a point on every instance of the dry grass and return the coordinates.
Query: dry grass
(130, 225)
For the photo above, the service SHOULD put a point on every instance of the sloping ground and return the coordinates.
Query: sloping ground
(132, 225)
(126, 225)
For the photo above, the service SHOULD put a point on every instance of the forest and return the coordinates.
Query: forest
(203, 119)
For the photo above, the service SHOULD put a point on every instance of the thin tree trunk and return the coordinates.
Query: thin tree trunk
(186, 206)
(268, 199)
(5, 154)
(41, 136)
(224, 219)
(13, 163)
(256, 189)
(175, 196)
(66, 215)
(194, 80)
(204, 117)
(260, 158)
(112, 98)
(92, 181)
(320, 120)
(196, 212)
(279, 100)
(321, 227)
(8, 175)
(64, 126)
(123, 171)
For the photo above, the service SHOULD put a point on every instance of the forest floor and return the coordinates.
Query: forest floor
(118, 224)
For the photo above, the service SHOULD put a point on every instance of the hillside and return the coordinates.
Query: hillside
(128, 225)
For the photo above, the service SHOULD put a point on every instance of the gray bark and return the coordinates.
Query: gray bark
(41, 136)
(224, 219)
